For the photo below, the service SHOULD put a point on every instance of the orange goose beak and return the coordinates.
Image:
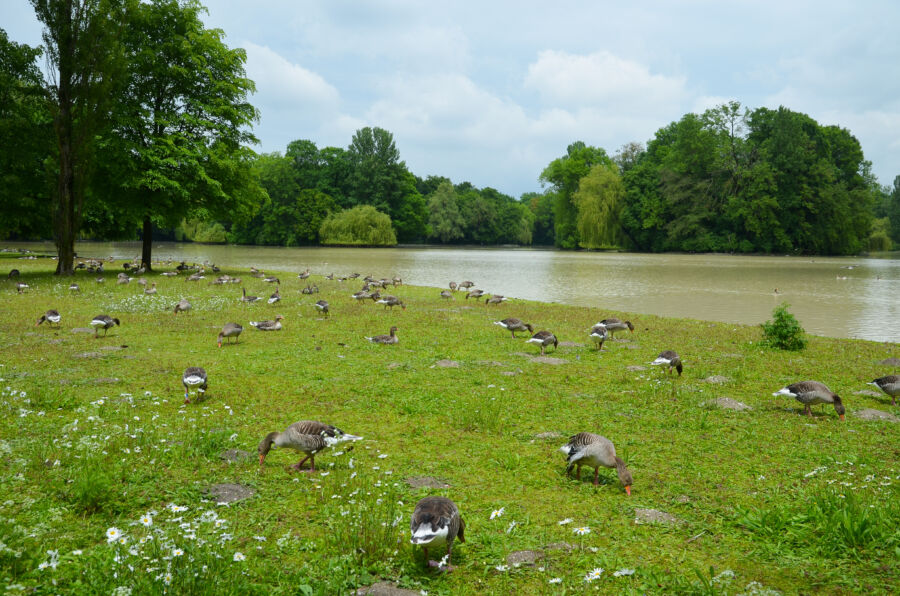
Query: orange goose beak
(628, 490)
(842, 416)
(262, 459)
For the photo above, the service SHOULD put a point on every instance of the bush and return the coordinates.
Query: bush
(783, 331)
(362, 225)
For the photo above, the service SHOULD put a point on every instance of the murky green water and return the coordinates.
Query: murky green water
(839, 297)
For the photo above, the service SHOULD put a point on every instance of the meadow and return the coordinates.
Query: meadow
(105, 471)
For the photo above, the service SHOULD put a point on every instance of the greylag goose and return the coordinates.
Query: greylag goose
(194, 376)
(513, 324)
(361, 295)
(330, 277)
(474, 294)
(272, 280)
(453, 286)
(670, 359)
(246, 298)
(599, 335)
(544, 339)
(396, 281)
(353, 276)
(230, 330)
(310, 289)
(465, 285)
(183, 306)
(303, 275)
(51, 316)
(613, 325)
(391, 301)
(100, 280)
(385, 339)
(809, 393)
(436, 523)
(375, 296)
(495, 299)
(889, 384)
(151, 290)
(21, 287)
(322, 305)
(169, 273)
(142, 282)
(195, 277)
(103, 322)
(74, 287)
(122, 279)
(588, 449)
(446, 294)
(306, 436)
(276, 296)
(268, 325)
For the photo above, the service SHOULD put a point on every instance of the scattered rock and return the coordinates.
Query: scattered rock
(890, 362)
(683, 499)
(394, 365)
(426, 482)
(229, 493)
(726, 403)
(82, 330)
(235, 455)
(105, 381)
(89, 355)
(635, 368)
(524, 557)
(868, 392)
(385, 589)
(446, 364)
(653, 516)
(55, 341)
(548, 360)
(716, 379)
(548, 435)
(560, 546)
(869, 414)
(570, 344)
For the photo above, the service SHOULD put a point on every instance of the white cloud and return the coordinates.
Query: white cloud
(280, 83)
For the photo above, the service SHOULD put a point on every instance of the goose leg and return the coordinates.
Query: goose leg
(297, 466)
(578, 473)
(596, 472)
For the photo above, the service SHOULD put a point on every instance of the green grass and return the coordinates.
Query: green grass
(93, 438)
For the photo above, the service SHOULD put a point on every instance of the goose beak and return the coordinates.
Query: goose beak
(842, 416)
(628, 490)
(262, 459)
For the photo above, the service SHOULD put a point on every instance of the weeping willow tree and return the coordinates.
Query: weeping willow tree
(362, 225)
(599, 201)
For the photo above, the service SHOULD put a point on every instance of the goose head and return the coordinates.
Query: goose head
(266, 445)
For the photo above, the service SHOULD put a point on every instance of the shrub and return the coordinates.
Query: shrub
(783, 331)
(362, 225)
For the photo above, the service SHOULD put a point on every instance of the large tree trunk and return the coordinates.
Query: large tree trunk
(64, 216)
(147, 244)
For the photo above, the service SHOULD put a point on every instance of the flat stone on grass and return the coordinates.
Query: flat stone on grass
(635, 368)
(229, 493)
(548, 435)
(445, 364)
(105, 381)
(653, 516)
(868, 392)
(235, 456)
(571, 344)
(560, 546)
(869, 414)
(426, 482)
(89, 355)
(385, 589)
(716, 379)
(82, 330)
(890, 362)
(549, 360)
(726, 403)
(524, 557)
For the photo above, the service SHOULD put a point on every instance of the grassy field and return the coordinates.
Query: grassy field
(103, 469)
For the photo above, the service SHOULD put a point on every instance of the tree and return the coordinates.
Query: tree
(599, 202)
(182, 121)
(541, 207)
(893, 210)
(444, 219)
(84, 53)
(361, 225)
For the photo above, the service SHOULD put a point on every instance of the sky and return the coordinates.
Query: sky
(491, 92)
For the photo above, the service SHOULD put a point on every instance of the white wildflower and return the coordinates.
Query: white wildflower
(622, 572)
(238, 556)
(497, 512)
(593, 574)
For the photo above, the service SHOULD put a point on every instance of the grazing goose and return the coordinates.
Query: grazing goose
(396, 281)
(322, 305)
(307, 436)
(246, 298)
(195, 277)
(13, 274)
(669, 358)
(258, 274)
(385, 339)
(375, 296)
(465, 285)
(513, 324)
(74, 287)
(391, 301)
(599, 335)
(453, 286)
(330, 276)
(272, 280)
(183, 306)
(353, 276)
(142, 282)
(151, 290)
(446, 294)
(588, 449)
(613, 325)
(436, 523)
(230, 330)
(495, 299)
(304, 275)
(194, 376)
(51, 316)
(889, 384)
(809, 393)
(103, 322)
(544, 339)
(361, 295)
(474, 294)
(21, 287)
(100, 280)
(268, 325)
(169, 273)
(276, 296)
(310, 289)
(122, 279)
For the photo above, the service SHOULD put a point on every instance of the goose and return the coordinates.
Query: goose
(809, 393)
(361, 295)
(272, 280)
(21, 287)
(513, 324)
(588, 449)
(453, 286)
(599, 335)
(396, 281)
(268, 325)
(310, 289)
(330, 276)
(13, 274)
(436, 523)
(495, 299)
(103, 322)
(464, 285)
(446, 295)
(258, 274)
(195, 277)
(74, 287)
(669, 358)
(151, 290)
(52, 317)
(122, 279)
(246, 298)
(306, 436)
(475, 294)
(385, 339)
(613, 325)
(183, 306)
(303, 275)
(142, 282)
(322, 305)
(275, 297)
(353, 276)
(182, 267)
(100, 280)
(230, 330)
(254, 270)
(544, 339)
(194, 376)
(889, 384)
(391, 301)
(169, 273)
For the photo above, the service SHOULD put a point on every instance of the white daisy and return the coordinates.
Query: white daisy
(563, 522)
(177, 552)
(113, 534)
(239, 556)
(593, 574)
(555, 580)
(622, 572)
(147, 520)
(497, 512)
(581, 531)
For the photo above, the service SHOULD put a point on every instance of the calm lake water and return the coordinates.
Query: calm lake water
(839, 297)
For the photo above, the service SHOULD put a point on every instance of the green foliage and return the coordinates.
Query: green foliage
(599, 202)
(195, 230)
(444, 219)
(783, 331)
(92, 487)
(362, 225)
(893, 210)
(880, 236)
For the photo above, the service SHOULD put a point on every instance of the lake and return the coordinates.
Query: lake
(853, 297)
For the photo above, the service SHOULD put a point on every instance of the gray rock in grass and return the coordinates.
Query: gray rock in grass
(635, 368)
(229, 493)
(548, 435)
(869, 414)
(445, 364)
(868, 392)
(726, 403)
(82, 330)
(716, 379)
(560, 546)
(385, 589)
(524, 557)
(571, 344)
(235, 456)
(890, 362)
(426, 482)
(89, 355)
(653, 516)
(548, 360)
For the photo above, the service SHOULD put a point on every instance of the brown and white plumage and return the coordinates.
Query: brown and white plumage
(21, 287)
(474, 294)
(599, 334)
(385, 339)
(446, 295)
(453, 286)
(670, 359)
(391, 301)
(151, 290)
(890, 385)
(810, 393)
(52, 317)
(230, 330)
(303, 275)
(513, 324)
(247, 299)
(307, 436)
(436, 523)
(465, 285)
(612, 325)
(268, 325)
(183, 306)
(276, 295)
(322, 305)
(194, 376)
(74, 287)
(588, 449)
(310, 289)
(103, 322)
(495, 299)
(543, 339)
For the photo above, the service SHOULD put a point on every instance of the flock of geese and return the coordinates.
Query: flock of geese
(436, 521)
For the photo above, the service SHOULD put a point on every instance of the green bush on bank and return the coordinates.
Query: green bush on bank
(361, 225)
(783, 331)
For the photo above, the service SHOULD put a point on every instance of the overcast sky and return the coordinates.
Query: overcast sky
(491, 92)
